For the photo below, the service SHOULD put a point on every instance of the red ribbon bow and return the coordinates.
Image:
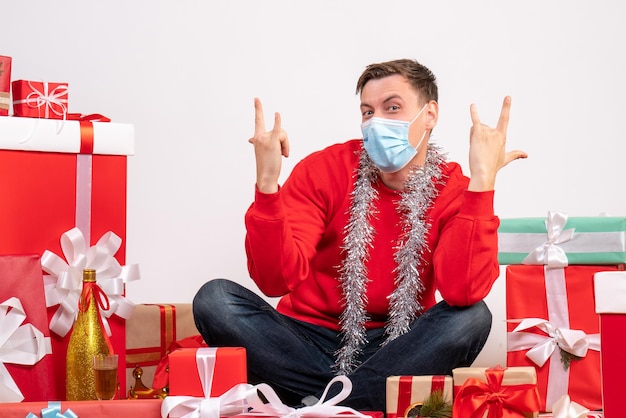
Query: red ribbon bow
(102, 300)
(477, 397)
(99, 296)
(86, 129)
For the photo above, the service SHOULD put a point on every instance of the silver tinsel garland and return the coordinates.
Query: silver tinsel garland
(417, 197)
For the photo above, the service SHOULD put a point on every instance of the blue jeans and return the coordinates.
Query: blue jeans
(296, 358)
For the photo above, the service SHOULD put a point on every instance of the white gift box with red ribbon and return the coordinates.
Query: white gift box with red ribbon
(48, 135)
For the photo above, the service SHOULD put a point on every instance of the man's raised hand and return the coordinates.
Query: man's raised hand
(269, 148)
(488, 149)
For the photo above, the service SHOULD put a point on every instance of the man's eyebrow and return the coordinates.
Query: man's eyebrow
(388, 99)
(392, 97)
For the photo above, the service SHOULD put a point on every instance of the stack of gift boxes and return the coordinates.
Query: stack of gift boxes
(565, 305)
(552, 307)
(63, 188)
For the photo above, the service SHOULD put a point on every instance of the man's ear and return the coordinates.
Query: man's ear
(432, 114)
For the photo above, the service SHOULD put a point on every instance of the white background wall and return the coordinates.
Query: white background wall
(185, 73)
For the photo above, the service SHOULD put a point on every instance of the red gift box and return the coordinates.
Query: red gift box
(5, 84)
(404, 391)
(46, 194)
(20, 276)
(557, 304)
(372, 414)
(225, 368)
(144, 408)
(610, 288)
(39, 99)
(495, 392)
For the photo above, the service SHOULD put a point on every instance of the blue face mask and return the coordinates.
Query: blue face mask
(387, 142)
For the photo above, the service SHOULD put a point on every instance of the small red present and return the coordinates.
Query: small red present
(403, 392)
(610, 289)
(5, 85)
(21, 280)
(495, 392)
(40, 99)
(221, 368)
(554, 328)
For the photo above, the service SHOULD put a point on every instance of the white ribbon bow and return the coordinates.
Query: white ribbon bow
(233, 402)
(19, 344)
(549, 253)
(565, 408)
(64, 283)
(242, 397)
(323, 408)
(541, 347)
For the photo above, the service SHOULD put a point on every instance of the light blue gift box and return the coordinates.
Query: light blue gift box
(599, 240)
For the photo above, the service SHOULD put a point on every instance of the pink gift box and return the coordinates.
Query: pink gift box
(21, 277)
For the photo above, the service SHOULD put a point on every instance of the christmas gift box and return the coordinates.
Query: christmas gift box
(495, 392)
(610, 295)
(64, 197)
(26, 371)
(5, 84)
(565, 408)
(40, 99)
(245, 400)
(220, 368)
(150, 333)
(404, 393)
(557, 240)
(145, 408)
(553, 327)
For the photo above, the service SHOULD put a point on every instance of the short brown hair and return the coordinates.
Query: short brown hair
(420, 77)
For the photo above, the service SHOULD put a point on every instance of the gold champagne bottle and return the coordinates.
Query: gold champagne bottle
(87, 339)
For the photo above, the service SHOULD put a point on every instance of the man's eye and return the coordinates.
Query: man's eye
(394, 107)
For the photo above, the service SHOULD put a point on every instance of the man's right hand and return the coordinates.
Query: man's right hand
(269, 147)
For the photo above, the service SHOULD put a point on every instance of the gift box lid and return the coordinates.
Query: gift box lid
(610, 291)
(512, 375)
(51, 135)
(599, 240)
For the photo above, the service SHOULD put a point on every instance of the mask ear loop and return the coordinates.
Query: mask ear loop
(418, 114)
(421, 140)
(424, 134)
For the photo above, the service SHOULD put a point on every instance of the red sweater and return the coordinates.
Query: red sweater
(294, 237)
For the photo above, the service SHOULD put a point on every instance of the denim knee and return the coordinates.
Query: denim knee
(207, 296)
(459, 325)
(472, 327)
(478, 316)
(210, 303)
